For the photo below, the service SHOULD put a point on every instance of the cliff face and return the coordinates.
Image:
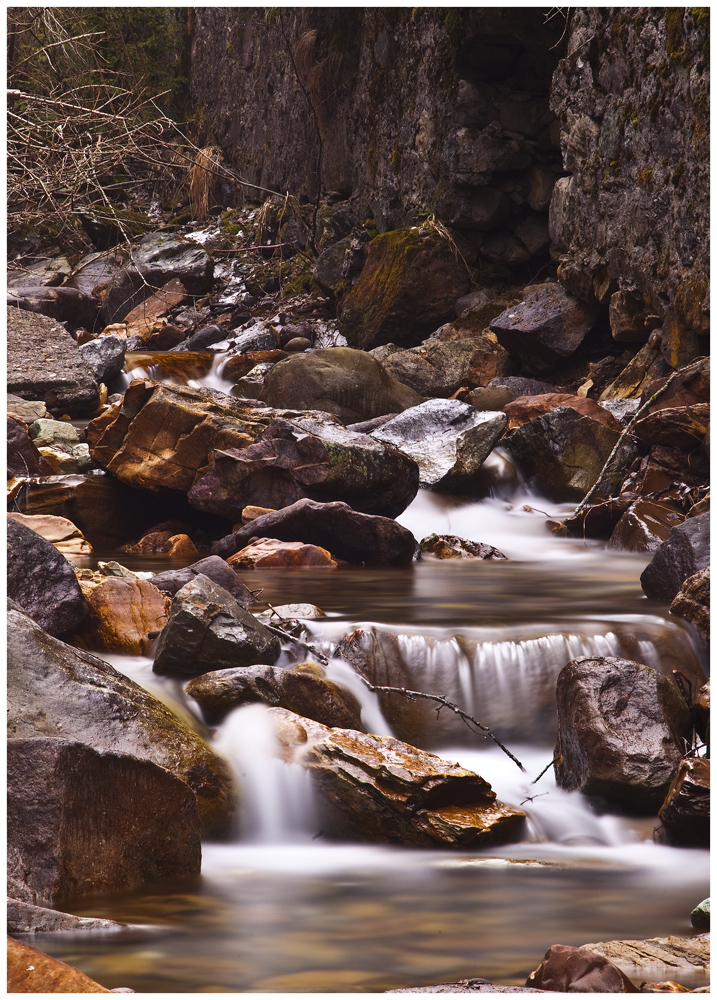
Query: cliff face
(632, 95)
(474, 114)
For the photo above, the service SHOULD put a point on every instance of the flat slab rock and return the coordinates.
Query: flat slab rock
(660, 955)
(27, 918)
(45, 363)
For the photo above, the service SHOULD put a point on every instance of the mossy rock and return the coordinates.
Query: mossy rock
(407, 288)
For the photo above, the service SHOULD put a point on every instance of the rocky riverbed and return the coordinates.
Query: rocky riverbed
(221, 434)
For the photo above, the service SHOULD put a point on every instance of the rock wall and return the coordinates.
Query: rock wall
(632, 217)
(474, 114)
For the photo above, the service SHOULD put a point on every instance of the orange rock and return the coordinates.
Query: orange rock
(32, 971)
(150, 544)
(181, 545)
(63, 534)
(251, 512)
(271, 552)
(526, 408)
(123, 612)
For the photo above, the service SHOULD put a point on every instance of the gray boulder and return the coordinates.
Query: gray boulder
(66, 305)
(105, 356)
(81, 821)
(448, 439)
(620, 731)
(208, 630)
(55, 690)
(213, 567)
(686, 551)
(153, 261)
(547, 326)
(42, 581)
(44, 363)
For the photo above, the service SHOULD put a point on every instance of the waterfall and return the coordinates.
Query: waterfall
(372, 717)
(276, 798)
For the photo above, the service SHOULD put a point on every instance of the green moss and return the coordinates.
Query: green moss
(677, 48)
(701, 16)
(396, 159)
(645, 175)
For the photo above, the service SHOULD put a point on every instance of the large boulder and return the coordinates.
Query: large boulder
(644, 526)
(82, 820)
(304, 690)
(407, 288)
(686, 551)
(620, 731)
(312, 457)
(66, 305)
(375, 788)
(564, 453)
(439, 367)
(548, 326)
(346, 533)
(44, 362)
(448, 439)
(55, 690)
(153, 261)
(348, 383)
(685, 813)
(566, 969)
(208, 630)
(213, 567)
(42, 581)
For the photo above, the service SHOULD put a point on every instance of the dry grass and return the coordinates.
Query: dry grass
(204, 181)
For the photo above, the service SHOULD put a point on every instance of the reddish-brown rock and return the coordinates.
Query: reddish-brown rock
(32, 971)
(266, 553)
(526, 408)
(122, 614)
(685, 813)
(566, 969)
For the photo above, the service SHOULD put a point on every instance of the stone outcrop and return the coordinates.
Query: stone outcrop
(55, 690)
(375, 788)
(82, 821)
(620, 730)
(44, 363)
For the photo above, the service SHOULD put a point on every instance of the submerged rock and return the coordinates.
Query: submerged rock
(620, 731)
(348, 383)
(58, 691)
(42, 581)
(448, 439)
(377, 789)
(208, 630)
(303, 690)
(313, 457)
(82, 820)
(347, 533)
(454, 547)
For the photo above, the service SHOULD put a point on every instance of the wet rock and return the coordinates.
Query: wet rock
(64, 535)
(644, 526)
(565, 452)
(377, 789)
(700, 916)
(105, 356)
(123, 613)
(701, 712)
(620, 731)
(686, 551)
(82, 821)
(286, 611)
(312, 457)
(685, 813)
(208, 630)
(297, 344)
(94, 272)
(454, 547)
(66, 305)
(406, 289)
(42, 581)
(467, 986)
(494, 399)
(27, 918)
(526, 408)
(547, 326)
(107, 512)
(675, 427)
(522, 386)
(347, 533)
(647, 365)
(239, 365)
(303, 690)
(213, 567)
(689, 387)
(658, 956)
(268, 553)
(154, 260)
(350, 384)
(32, 971)
(55, 690)
(44, 363)
(23, 457)
(566, 969)
(448, 439)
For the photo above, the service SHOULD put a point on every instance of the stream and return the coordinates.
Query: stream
(283, 911)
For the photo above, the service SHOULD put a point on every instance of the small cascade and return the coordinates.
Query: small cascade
(371, 715)
(197, 369)
(276, 798)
